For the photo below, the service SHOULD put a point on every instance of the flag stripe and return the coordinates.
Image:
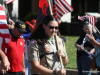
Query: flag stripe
(62, 8)
(1, 8)
(2, 17)
(1, 39)
(9, 1)
(2, 12)
(3, 26)
(65, 6)
(4, 35)
(91, 19)
(4, 31)
(3, 21)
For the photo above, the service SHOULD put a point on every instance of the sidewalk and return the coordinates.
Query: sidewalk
(75, 72)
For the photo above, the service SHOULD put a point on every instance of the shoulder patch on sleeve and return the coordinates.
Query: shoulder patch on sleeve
(33, 41)
(31, 51)
(33, 45)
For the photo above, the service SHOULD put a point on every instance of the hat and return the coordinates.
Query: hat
(30, 24)
(20, 25)
(34, 21)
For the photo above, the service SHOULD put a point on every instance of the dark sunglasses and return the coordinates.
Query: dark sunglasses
(52, 27)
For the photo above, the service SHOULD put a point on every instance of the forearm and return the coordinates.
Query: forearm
(65, 61)
(77, 46)
(94, 42)
(98, 44)
(92, 51)
(23, 61)
(11, 27)
(2, 55)
(41, 69)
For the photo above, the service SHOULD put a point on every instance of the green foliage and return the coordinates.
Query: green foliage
(64, 28)
(35, 15)
(30, 16)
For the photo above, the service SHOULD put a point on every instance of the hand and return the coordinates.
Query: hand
(11, 22)
(61, 72)
(5, 64)
(60, 53)
(2, 71)
(81, 48)
(90, 37)
(24, 71)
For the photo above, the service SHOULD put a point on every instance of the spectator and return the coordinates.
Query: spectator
(96, 44)
(31, 28)
(83, 59)
(15, 50)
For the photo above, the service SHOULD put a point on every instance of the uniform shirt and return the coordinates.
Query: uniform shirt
(14, 51)
(36, 52)
(87, 45)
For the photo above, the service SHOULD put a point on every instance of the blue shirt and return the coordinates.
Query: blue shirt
(26, 35)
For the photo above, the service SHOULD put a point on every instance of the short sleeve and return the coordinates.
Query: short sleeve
(33, 52)
(64, 48)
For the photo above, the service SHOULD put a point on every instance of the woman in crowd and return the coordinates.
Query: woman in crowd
(96, 44)
(42, 52)
(83, 46)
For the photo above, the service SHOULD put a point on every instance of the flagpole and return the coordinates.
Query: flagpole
(50, 7)
(55, 35)
(7, 11)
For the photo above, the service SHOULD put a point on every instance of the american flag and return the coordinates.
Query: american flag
(62, 8)
(59, 8)
(91, 19)
(9, 1)
(4, 31)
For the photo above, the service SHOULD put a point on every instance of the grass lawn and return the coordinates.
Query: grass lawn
(71, 51)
